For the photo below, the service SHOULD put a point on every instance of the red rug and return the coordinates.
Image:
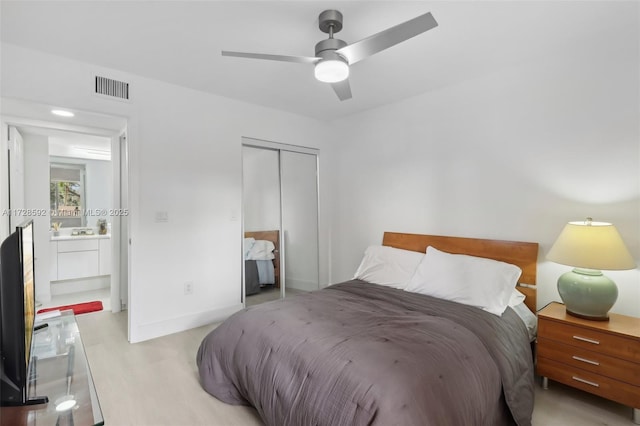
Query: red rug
(78, 308)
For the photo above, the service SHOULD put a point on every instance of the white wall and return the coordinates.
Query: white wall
(15, 165)
(99, 191)
(512, 155)
(185, 160)
(36, 196)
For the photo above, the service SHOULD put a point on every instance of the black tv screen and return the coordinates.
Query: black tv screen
(17, 313)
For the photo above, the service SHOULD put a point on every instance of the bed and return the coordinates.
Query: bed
(359, 353)
(261, 270)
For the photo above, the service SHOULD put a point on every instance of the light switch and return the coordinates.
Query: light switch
(162, 217)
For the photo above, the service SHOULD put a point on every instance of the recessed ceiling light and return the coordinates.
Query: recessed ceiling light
(92, 150)
(62, 113)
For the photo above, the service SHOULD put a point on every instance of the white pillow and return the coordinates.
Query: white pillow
(516, 298)
(528, 318)
(516, 302)
(470, 280)
(261, 250)
(247, 244)
(388, 266)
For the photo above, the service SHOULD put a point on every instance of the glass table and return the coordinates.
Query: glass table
(59, 371)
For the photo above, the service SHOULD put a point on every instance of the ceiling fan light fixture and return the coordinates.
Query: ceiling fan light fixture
(333, 56)
(332, 70)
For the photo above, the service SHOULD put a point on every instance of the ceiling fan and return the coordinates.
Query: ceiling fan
(334, 56)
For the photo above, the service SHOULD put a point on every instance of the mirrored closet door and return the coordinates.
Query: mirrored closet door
(299, 220)
(280, 220)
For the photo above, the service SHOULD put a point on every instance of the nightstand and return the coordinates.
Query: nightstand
(600, 357)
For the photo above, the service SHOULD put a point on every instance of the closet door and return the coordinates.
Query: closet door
(299, 189)
(261, 188)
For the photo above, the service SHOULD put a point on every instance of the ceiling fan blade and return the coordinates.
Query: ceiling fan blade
(342, 89)
(385, 39)
(282, 58)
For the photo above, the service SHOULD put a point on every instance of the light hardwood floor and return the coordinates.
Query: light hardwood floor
(155, 383)
(269, 294)
(103, 295)
(266, 294)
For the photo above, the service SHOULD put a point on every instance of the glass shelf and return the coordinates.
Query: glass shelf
(59, 371)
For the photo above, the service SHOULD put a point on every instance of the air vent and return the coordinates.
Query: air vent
(114, 88)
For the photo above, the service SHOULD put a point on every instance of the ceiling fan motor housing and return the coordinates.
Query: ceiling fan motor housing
(329, 46)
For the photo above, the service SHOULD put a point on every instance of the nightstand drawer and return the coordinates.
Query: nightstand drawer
(614, 390)
(594, 362)
(589, 339)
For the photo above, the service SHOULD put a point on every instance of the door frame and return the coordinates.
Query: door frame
(118, 244)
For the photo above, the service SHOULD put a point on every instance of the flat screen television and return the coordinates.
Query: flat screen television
(17, 315)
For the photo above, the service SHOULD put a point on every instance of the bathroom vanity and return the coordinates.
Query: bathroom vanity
(79, 257)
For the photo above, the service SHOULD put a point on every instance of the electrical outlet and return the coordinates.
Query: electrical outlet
(162, 216)
(188, 288)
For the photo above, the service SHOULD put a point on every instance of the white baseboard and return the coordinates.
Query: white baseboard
(181, 323)
(300, 284)
(83, 284)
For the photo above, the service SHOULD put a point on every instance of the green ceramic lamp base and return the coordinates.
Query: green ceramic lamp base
(587, 293)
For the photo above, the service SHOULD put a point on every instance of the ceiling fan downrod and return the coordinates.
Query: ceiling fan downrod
(329, 22)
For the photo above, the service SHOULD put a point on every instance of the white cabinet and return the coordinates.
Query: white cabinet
(81, 258)
(77, 264)
(105, 257)
(77, 245)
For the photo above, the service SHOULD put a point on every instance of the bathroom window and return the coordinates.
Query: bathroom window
(66, 195)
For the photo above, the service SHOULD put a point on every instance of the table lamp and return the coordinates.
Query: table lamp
(589, 246)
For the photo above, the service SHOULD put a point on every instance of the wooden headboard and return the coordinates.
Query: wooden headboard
(274, 237)
(521, 254)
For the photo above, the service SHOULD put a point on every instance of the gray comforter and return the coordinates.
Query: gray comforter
(362, 354)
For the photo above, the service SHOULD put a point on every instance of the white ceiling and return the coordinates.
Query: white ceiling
(180, 42)
(86, 135)
(64, 143)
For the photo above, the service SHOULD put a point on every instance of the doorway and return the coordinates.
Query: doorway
(280, 205)
(69, 181)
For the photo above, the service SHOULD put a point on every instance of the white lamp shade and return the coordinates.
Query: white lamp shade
(591, 245)
(331, 70)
